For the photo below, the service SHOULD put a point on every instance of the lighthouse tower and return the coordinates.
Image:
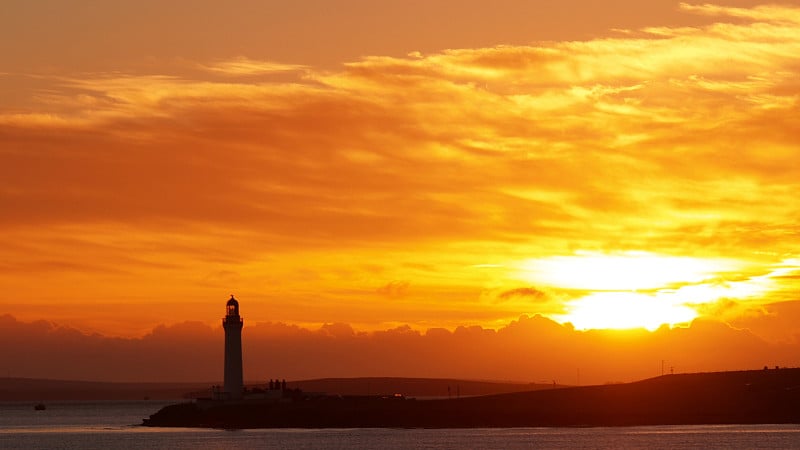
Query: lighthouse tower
(232, 323)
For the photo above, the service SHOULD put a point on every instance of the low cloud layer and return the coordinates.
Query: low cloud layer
(529, 349)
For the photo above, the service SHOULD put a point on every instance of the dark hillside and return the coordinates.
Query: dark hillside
(769, 396)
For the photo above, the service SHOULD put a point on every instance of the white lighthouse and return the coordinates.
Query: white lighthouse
(232, 323)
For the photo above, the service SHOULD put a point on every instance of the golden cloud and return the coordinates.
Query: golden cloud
(679, 141)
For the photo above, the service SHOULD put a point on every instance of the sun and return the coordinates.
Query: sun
(625, 310)
(623, 271)
(626, 290)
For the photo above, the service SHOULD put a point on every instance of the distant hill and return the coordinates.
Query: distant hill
(27, 389)
(412, 387)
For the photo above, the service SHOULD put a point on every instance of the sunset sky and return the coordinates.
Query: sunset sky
(438, 179)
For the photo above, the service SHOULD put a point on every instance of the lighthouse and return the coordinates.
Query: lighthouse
(232, 323)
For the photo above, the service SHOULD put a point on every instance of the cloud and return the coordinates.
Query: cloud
(772, 13)
(244, 66)
(531, 349)
(532, 294)
(338, 330)
(394, 289)
(681, 142)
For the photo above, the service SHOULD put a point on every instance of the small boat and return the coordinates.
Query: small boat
(39, 407)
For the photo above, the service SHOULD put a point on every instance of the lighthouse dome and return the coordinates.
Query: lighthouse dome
(232, 307)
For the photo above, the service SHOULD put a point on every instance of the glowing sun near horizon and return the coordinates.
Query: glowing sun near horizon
(630, 290)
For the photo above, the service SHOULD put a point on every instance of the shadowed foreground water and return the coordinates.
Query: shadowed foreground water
(114, 425)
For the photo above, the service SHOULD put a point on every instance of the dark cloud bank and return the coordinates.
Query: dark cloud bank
(533, 349)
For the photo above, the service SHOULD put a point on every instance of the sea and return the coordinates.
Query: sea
(116, 425)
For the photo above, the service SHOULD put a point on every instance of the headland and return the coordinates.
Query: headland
(746, 397)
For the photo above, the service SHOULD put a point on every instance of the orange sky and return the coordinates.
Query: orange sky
(388, 164)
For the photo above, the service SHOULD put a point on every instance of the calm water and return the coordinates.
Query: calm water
(114, 425)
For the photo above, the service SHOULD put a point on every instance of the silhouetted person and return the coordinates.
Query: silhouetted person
(271, 384)
(283, 384)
